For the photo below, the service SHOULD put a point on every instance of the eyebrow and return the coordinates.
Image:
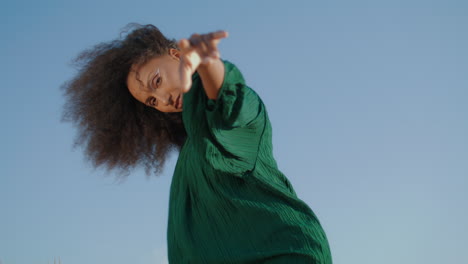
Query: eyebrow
(150, 79)
(148, 82)
(137, 77)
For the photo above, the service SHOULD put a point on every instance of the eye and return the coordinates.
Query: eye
(151, 101)
(157, 81)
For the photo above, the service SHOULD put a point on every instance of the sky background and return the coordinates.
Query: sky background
(368, 102)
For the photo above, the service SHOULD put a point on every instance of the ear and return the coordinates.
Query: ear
(174, 53)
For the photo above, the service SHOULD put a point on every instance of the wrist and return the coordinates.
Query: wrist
(212, 76)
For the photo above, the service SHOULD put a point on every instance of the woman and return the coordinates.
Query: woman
(137, 98)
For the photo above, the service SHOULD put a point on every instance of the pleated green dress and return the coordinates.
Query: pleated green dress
(229, 203)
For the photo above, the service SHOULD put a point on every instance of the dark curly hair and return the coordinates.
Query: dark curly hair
(117, 131)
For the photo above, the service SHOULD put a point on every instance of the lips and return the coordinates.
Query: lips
(178, 102)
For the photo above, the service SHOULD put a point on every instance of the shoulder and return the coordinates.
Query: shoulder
(232, 72)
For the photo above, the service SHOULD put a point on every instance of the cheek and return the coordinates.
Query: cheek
(174, 81)
(174, 76)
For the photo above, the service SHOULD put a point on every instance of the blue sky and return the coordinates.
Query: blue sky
(368, 102)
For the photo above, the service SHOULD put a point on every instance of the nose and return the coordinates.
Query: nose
(165, 99)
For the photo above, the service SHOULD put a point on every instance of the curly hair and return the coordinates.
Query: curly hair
(116, 130)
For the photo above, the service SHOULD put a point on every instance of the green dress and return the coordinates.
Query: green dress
(229, 203)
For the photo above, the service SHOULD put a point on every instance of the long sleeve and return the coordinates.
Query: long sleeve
(236, 121)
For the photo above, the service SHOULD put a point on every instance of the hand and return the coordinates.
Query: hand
(198, 51)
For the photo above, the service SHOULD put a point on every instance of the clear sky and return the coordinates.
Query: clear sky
(368, 102)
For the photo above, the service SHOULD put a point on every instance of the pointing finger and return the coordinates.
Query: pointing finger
(220, 34)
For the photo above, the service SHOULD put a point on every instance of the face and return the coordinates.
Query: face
(157, 84)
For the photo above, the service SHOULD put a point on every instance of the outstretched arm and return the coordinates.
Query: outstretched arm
(200, 53)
